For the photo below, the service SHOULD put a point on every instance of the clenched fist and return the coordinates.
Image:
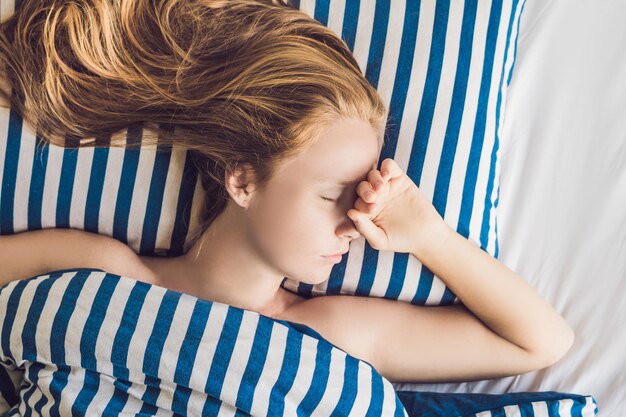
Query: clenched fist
(392, 213)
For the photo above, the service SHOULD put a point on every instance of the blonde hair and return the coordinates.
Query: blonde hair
(241, 81)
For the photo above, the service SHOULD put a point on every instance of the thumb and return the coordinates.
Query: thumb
(374, 235)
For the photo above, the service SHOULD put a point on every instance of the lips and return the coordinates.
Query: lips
(338, 254)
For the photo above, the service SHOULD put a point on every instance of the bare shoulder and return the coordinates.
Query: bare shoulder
(332, 316)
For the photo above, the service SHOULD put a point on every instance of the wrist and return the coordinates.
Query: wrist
(433, 238)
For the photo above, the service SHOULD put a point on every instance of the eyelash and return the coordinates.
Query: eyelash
(329, 199)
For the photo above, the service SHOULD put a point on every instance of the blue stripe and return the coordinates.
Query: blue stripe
(221, 359)
(478, 137)
(321, 11)
(349, 388)
(377, 45)
(88, 391)
(350, 22)
(9, 318)
(121, 343)
(37, 181)
(34, 314)
(155, 196)
(287, 375)
(9, 176)
(96, 184)
(484, 232)
(396, 113)
(62, 318)
(320, 380)
(32, 375)
(127, 183)
(457, 105)
(152, 356)
(187, 355)
(66, 184)
(94, 322)
(376, 407)
(255, 365)
(183, 207)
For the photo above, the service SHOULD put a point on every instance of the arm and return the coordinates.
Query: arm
(503, 328)
(27, 254)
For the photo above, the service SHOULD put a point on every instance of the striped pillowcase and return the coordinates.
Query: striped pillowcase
(442, 68)
(518, 404)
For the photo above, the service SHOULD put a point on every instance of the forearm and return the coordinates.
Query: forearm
(499, 297)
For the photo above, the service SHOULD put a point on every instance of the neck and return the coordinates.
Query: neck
(223, 266)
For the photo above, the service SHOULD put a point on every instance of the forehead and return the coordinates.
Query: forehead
(345, 150)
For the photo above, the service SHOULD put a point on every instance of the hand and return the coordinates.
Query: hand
(397, 216)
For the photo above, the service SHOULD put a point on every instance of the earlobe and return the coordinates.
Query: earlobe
(239, 184)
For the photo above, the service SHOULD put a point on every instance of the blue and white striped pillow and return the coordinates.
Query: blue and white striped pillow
(443, 69)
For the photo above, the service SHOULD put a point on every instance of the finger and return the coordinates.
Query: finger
(375, 236)
(364, 207)
(363, 190)
(376, 179)
(390, 169)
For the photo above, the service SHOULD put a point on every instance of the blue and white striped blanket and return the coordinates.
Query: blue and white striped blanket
(86, 342)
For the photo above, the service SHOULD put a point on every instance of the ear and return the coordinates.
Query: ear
(240, 184)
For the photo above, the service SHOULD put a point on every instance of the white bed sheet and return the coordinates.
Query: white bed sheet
(562, 209)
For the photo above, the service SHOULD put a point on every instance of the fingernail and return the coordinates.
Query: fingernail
(378, 185)
(369, 194)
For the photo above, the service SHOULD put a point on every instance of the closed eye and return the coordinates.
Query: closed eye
(329, 199)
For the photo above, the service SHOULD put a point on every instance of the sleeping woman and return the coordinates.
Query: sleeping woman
(286, 133)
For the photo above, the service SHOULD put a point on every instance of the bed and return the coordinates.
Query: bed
(562, 210)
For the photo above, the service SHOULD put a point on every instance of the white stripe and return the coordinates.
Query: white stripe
(45, 389)
(485, 158)
(141, 191)
(441, 113)
(134, 403)
(332, 393)
(308, 7)
(207, 346)
(240, 357)
(26, 298)
(141, 336)
(336, 12)
(70, 392)
(51, 187)
(271, 369)
(364, 391)
(99, 402)
(408, 126)
(540, 409)
(81, 313)
(512, 411)
(466, 131)
(43, 335)
(226, 410)
(110, 187)
(589, 410)
(304, 376)
(565, 407)
(491, 246)
(22, 180)
(363, 37)
(389, 64)
(171, 349)
(111, 324)
(84, 161)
